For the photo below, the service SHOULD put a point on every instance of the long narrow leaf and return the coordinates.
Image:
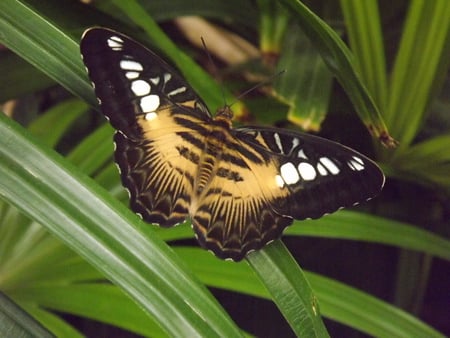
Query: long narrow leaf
(15, 322)
(289, 288)
(340, 61)
(363, 227)
(101, 302)
(421, 62)
(338, 301)
(428, 160)
(43, 44)
(362, 20)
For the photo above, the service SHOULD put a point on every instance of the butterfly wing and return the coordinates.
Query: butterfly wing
(154, 112)
(313, 176)
(269, 176)
(233, 216)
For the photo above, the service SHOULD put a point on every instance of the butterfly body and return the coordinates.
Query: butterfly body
(240, 187)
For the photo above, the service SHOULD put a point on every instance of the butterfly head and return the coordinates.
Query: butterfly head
(224, 116)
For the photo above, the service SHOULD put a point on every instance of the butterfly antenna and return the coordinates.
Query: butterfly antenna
(258, 85)
(215, 69)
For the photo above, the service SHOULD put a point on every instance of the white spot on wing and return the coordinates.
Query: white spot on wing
(149, 103)
(356, 163)
(151, 116)
(140, 87)
(307, 171)
(301, 154)
(289, 173)
(115, 43)
(358, 159)
(116, 38)
(131, 65)
(278, 142)
(327, 163)
(295, 142)
(279, 181)
(177, 91)
(131, 75)
(167, 77)
(154, 80)
(321, 169)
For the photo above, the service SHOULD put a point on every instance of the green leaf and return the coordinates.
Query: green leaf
(101, 302)
(42, 43)
(96, 149)
(362, 21)
(365, 312)
(428, 160)
(289, 288)
(59, 327)
(340, 61)
(351, 225)
(370, 228)
(19, 77)
(274, 21)
(51, 125)
(306, 84)
(14, 322)
(337, 301)
(420, 66)
(98, 227)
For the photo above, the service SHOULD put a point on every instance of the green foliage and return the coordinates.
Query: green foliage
(62, 233)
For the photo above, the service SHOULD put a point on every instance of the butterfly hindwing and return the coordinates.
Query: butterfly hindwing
(232, 216)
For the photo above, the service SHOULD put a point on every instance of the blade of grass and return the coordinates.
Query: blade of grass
(338, 301)
(273, 24)
(420, 66)
(306, 84)
(41, 42)
(428, 160)
(92, 153)
(340, 61)
(15, 322)
(367, 313)
(19, 77)
(59, 327)
(364, 227)
(289, 288)
(362, 21)
(51, 125)
(101, 302)
(239, 12)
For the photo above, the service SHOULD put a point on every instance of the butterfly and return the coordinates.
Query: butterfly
(240, 187)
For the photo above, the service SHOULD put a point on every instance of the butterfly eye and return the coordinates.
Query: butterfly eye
(239, 187)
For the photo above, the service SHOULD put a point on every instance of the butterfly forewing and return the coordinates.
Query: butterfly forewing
(240, 187)
(130, 80)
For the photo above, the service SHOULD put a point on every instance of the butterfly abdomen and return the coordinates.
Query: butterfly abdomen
(211, 157)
